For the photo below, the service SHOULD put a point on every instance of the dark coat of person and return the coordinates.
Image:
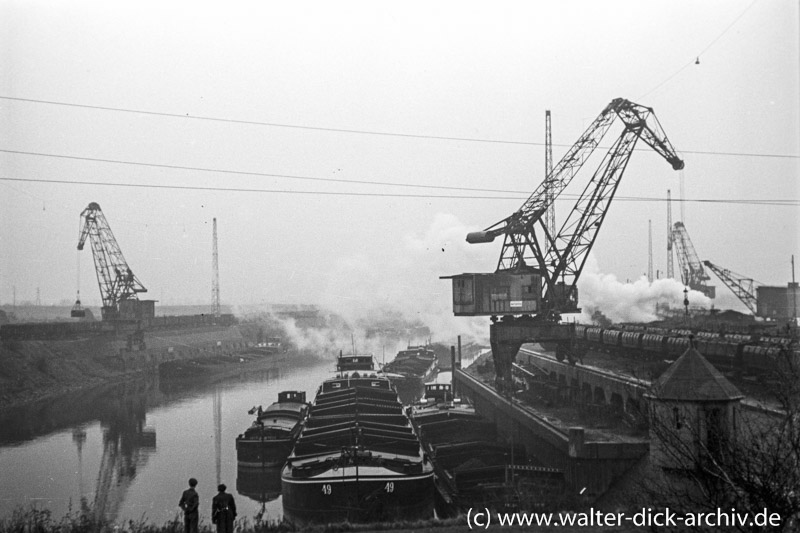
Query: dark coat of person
(223, 511)
(190, 502)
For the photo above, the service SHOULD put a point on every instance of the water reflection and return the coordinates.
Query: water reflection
(113, 405)
(97, 450)
(128, 449)
(261, 485)
(126, 441)
(127, 444)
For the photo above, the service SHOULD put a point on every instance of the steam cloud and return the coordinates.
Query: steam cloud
(406, 282)
(629, 302)
(402, 289)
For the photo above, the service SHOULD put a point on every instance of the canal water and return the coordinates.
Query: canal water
(128, 450)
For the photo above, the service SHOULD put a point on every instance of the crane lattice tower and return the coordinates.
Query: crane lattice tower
(650, 251)
(550, 214)
(670, 266)
(215, 275)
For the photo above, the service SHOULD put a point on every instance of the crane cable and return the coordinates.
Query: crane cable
(78, 299)
(78, 280)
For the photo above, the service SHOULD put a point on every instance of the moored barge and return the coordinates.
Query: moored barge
(414, 362)
(269, 440)
(409, 371)
(357, 458)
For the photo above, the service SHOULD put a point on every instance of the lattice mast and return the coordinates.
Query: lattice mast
(215, 274)
(650, 251)
(670, 265)
(550, 214)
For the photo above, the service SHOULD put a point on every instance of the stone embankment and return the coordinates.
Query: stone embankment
(31, 370)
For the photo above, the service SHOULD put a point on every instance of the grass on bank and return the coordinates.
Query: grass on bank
(36, 520)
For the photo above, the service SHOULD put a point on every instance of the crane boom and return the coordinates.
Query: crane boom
(560, 258)
(743, 287)
(535, 206)
(115, 278)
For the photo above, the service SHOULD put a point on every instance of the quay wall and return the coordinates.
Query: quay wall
(589, 386)
(589, 466)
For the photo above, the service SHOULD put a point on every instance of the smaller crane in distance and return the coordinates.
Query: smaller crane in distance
(693, 275)
(117, 282)
(743, 287)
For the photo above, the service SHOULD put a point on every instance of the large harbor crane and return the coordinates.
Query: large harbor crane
(742, 286)
(537, 274)
(693, 275)
(118, 284)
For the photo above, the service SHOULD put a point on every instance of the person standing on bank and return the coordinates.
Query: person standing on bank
(223, 510)
(190, 502)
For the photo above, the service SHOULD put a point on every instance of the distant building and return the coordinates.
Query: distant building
(778, 303)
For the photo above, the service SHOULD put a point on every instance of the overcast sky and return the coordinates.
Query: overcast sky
(355, 143)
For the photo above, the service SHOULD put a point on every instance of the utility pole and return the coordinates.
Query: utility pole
(550, 214)
(215, 275)
(670, 269)
(650, 251)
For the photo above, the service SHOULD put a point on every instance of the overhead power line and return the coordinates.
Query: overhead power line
(355, 131)
(254, 190)
(252, 173)
(272, 124)
(521, 194)
(787, 203)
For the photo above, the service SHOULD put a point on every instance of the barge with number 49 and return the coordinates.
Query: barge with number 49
(357, 458)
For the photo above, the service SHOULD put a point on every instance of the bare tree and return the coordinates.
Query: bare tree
(707, 459)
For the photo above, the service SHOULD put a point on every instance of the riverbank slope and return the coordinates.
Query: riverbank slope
(31, 370)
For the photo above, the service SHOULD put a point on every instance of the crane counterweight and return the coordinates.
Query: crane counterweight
(477, 237)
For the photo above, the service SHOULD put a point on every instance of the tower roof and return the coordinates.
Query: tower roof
(693, 378)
